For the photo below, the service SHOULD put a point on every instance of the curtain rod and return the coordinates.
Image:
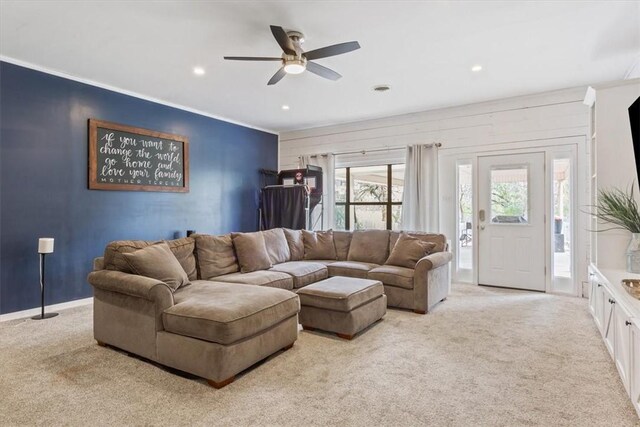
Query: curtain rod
(376, 150)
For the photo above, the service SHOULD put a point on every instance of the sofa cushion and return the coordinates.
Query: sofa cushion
(342, 240)
(439, 239)
(369, 246)
(272, 279)
(184, 250)
(225, 313)
(277, 246)
(322, 261)
(216, 255)
(157, 262)
(351, 269)
(303, 272)
(318, 245)
(296, 244)
(251, 251)
(408, 250)
(113, 259)
(392, 275)
(340, 293)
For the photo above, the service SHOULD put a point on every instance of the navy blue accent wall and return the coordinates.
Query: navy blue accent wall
(43, 182)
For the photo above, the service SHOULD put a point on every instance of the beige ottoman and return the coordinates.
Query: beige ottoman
(344, 305)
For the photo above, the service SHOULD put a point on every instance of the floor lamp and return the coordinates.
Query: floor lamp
(45, 246)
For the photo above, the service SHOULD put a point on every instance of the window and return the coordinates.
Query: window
(369, 197)
(562, 227)
(509, 195)
(465, 217)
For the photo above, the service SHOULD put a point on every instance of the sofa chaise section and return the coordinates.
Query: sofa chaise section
(210, 329)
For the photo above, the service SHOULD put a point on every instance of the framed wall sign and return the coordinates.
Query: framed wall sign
(133, 159)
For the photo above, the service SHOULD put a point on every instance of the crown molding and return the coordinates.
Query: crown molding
(64, 75)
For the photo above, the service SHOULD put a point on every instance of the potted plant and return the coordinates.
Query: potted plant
(620, 209)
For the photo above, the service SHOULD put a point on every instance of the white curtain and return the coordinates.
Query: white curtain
(327, 163)
(420, 198)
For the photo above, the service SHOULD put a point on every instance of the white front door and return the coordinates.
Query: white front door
(511, 221)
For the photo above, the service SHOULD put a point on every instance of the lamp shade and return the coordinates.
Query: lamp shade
(45, 245)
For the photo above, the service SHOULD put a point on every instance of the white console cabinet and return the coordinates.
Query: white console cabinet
(617, 317)
(634, 374)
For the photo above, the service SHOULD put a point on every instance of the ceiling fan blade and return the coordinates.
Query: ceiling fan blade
(322, 71)
(251, 58)
(283, 40)
(277, 77)
(333, 50)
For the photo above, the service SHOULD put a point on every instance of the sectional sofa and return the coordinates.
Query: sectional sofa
(213, 323)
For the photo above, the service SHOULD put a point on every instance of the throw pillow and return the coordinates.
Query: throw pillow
(216, 256)
(113, 259)
(296, 244)
(251, 251)
(158, 262)
(408, 251)
(319, 245)
(184, 250)
(277, 246)
(439, 239)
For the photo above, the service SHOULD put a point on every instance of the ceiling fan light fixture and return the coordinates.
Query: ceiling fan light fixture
(294, 66)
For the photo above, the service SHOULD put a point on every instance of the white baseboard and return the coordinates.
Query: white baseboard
(48, 308)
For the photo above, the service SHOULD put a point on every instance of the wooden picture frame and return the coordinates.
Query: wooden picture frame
(147, 146)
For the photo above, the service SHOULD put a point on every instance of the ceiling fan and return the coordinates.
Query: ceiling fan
(294, 60)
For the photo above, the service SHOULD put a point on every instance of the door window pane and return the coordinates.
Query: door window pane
(365, 217)
(509, 195)
(397, 183)
(369, 184)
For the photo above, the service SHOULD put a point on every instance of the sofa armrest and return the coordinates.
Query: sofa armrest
(431, 281)
(98, 263)
(131, 284)
(433, 260)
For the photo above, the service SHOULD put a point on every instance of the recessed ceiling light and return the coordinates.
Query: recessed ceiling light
(476, 68)
(381, 88)
(285, 107)
(198, 71)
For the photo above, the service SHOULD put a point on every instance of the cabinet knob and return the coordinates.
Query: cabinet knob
(626, 322)
(599, 285)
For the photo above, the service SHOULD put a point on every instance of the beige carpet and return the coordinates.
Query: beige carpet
(483, 357)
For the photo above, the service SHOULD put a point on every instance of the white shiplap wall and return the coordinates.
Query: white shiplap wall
(547, 119)
(549, 115)
(615, 164)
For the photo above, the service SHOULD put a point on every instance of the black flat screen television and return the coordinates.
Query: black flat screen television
(634, 121)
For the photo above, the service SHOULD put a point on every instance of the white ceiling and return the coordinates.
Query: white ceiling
(424, 50)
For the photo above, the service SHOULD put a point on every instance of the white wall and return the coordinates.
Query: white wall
(548, 115)
(615, 163)
(546, 119)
